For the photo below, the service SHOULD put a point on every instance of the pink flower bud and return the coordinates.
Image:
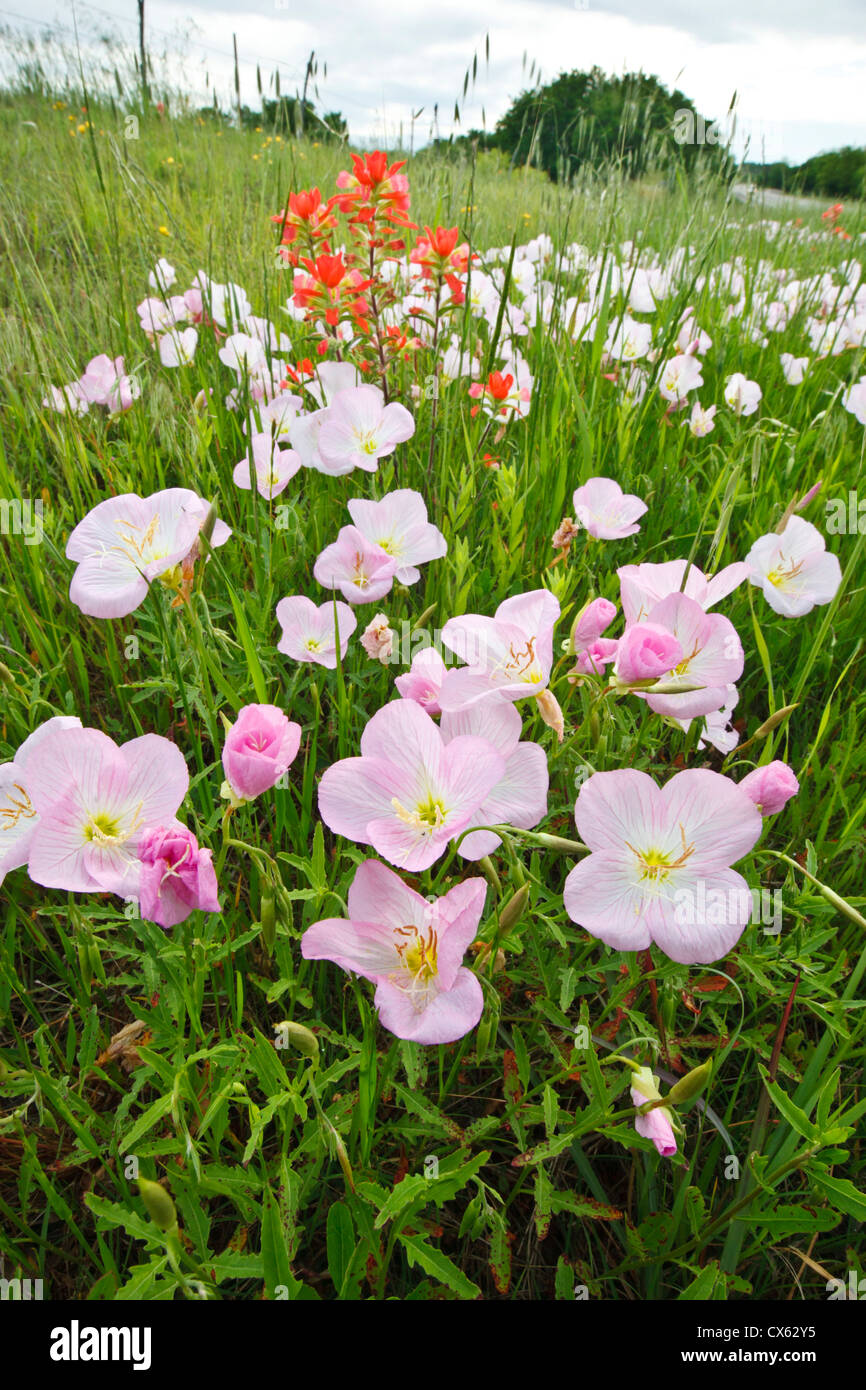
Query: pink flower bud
(646, 652)
(259, 747)
(591, 622)
(598, 654)
(770, 787)
(176, 875)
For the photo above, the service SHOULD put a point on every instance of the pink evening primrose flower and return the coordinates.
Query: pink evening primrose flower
(273, 467)
(510, 654)
(177, 876)
(712, 657)
(399, 526)
(659, 868)
(741, 394)
(311, 633)
(794, 569)
(104, 382)
(411, 949)
(411, 791)
(259, 747)
(794, 368)
(18, 816)
(854, 400)
(126, 542)
(644, 652)
(642, 586)
(67, 400)
(770, 787)
(701, 420)
(362, 572)
(656, 1124)
(177, 347)
(95, 802)
(161, 316)
(606, 512)
(423, 681)
(520, 798)
(361, 429)
(163, 276)
(718, 729)
(593, 658)
(679, 376)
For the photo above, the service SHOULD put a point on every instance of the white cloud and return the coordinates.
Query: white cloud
(799, 69)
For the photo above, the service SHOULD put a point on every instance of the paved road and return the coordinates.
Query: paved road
(774, 198)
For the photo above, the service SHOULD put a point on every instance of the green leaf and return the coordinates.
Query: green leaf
(709, 1285)
(437, 1265)
(840, 1191)
(792, 1218)
(340, 1241)
(797, 1119)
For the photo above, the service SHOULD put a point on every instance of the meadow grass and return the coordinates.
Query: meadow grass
(520, 1172)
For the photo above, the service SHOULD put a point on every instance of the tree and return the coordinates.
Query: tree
(587, 118)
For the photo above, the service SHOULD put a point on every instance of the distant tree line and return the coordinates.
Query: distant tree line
(837, 174)
(586, 119)
(287, 115)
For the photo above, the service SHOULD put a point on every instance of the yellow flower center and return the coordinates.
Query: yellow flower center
(427, 816)
(102, 829)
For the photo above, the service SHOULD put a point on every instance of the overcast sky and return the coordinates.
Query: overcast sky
(798, 67)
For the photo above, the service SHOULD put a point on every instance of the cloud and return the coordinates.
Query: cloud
(799, 68)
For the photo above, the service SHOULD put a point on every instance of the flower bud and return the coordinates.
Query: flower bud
(300, 1037)
(160, 1206)
(268, 915)
(774, 721)
(513, 909)
(691, 1084)
(770, 787)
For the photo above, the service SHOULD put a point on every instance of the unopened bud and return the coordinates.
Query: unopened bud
(774, 721)
(268, 917)
(556, 842)
(690, 1085)
(159, 1205)
(671, 685)
(482, 951)
(300, 1037)
(209, 523)
(428, 613)
(513, 909)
